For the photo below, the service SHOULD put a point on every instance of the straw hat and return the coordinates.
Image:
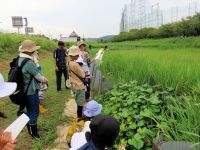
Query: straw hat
(81, 43)
(6, 88)
(74, 51)
(28, 46)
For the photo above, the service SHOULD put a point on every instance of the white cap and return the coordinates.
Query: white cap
(6, 88)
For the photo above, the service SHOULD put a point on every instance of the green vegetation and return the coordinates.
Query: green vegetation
(184, 28)
(165, 98)
(9, 44)
(176, 68)
(146, 113)
(54, 101)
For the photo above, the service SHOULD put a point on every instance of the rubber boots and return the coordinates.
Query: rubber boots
(33, 131)
(42, 109)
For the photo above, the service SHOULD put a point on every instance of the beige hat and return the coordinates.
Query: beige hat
(81, 43)
(74, 51)
(28, 46)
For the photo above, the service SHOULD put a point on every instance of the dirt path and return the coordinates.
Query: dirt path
(70, 111)
(5, 64)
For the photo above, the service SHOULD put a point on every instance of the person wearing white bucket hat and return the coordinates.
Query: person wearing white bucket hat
(92, 109)
(75, 75)
(6, 89)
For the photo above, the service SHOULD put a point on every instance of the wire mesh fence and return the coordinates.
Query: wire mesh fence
(141, 14)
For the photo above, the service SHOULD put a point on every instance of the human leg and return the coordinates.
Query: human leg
(33, 113)
(58, 79)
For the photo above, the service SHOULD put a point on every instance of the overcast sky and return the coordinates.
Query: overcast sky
(93, 18)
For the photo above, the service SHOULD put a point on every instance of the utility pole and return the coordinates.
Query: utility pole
(26, 25)
(189, 11)
(152, 16)
(196, 7)
(157, 15)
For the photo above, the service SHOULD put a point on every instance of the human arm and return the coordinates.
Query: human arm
(77, 69)
(41, 78)
(54, 60)
(32, 70)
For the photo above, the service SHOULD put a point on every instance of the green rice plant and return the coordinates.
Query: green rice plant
(174, 68)
(182, 118)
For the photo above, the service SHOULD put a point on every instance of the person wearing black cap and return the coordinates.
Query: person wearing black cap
(104, 131)
(59, 56)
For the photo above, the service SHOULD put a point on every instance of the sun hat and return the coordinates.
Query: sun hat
(104, 131)
(92, 109)
(81, 43)
(6, 88)
(28, 46)
(74, 51)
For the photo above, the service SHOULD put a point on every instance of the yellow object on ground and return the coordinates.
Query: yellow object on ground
(76, 126)
(42, 109)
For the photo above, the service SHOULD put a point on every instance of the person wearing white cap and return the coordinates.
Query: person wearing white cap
(92, 109)
(6, 89)
(83, 58)
(75, 76)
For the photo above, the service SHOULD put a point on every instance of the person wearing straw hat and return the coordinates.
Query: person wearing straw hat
(6, 89)
(75, 75)
(32, 79)
(84, 58)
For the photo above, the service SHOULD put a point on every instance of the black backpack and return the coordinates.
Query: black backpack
(15, 75)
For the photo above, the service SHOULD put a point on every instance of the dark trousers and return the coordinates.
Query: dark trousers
(87, 93)
(32, 106)
(59, 73)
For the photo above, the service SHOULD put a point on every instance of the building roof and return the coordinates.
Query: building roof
(74, 34)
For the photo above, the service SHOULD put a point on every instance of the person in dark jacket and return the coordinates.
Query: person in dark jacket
(59, 56)
(104, 131)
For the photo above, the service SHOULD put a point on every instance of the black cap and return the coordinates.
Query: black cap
(104, 131)
(61, 43)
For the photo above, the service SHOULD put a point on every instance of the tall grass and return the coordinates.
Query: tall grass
(175, 68)
(9, 44)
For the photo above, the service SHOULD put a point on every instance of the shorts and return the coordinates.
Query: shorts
(79, 96)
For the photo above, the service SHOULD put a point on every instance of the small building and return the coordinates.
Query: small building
(74, 37)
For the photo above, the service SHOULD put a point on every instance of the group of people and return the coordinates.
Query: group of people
(97, 131)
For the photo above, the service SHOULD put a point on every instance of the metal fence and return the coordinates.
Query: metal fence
(141, 14)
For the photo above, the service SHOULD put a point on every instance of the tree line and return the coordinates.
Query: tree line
(184, 28)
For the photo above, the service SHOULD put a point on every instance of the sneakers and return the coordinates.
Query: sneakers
(42, 109)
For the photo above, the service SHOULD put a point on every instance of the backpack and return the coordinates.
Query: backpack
(76, 126)
(15, 75)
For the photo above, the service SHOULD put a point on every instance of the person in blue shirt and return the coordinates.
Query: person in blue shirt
(59, 56)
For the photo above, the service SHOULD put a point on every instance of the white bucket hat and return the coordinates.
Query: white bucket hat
(6, 88)
(92, 109)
